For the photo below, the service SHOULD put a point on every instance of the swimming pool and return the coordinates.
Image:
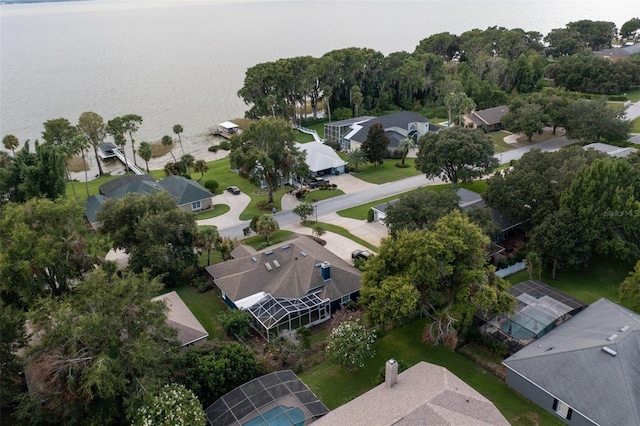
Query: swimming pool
(279, 416)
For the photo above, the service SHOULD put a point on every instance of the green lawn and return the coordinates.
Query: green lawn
(499, 145)
(216, 210)
(334, 386)
(81, 190)
(387, 172)
(340, 231)
(276, 238)
(635, 125)
(205, 306)
(601, 279)
(317, 126)
(360, 212)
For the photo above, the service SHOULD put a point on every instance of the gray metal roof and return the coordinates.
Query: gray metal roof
(569, 363)
(489, 116)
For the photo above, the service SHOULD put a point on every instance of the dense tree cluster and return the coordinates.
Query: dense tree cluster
(154, 232)
(266, 152)
(441, 270)
(577, 203)
(483, 65)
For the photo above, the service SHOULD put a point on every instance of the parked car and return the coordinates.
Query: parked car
(234, 190)
(361, 255)
(316, 182)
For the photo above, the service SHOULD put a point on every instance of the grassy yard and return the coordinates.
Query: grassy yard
(387, 172)
(334, 386)
(340, 231)
(205, 306)
(276, 238)
(499, 145)
(601, 279)
(635, 125)
(216, 210)
(304, 137)
(360, 212)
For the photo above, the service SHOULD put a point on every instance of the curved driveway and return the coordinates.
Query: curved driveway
(233, 228)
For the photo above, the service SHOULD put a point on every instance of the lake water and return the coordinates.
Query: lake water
(184, 61)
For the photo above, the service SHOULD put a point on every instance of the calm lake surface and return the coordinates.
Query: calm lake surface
(184, 61)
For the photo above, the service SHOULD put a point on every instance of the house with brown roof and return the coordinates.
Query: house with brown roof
(425, 394)
(286, 286)
(486, 119)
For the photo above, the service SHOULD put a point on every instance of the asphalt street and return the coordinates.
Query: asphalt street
(341, 202)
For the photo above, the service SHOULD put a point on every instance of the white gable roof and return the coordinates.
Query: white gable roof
(320, 156)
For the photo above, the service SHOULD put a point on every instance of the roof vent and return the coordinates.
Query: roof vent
(255, 259)
(612, 337)
(276, 263)
(303, 253)
(268, 266)
(609, 351)
(625, 328)
(285, 247)
(267, 253)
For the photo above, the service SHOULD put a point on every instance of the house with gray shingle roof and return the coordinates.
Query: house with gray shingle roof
(612, 150)
(397, 127)
(189, 195)
(288, 285)
(585, 371)
(486, 119)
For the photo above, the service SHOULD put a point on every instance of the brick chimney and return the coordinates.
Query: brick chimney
(391, 373)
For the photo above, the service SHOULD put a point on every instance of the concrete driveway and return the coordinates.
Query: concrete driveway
(237, 204)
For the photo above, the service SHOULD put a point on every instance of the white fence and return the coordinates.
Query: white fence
(510, 270)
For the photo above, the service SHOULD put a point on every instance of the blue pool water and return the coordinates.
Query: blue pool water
(279, 416)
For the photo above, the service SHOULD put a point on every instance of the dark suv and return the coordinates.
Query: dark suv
(361, 255)
(316, 182)
(234, 190)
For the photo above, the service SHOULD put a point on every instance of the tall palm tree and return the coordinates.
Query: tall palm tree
(92, 126)
(168, 142)
(70, 150)
(82, 143)
(356, 98)
(356, 157)
(145, 153)
(405, 145)
(177, 129)
(207, 240)
(187, 162)
(11, 142)
(115, 128)
(201, 167)
(130, 124)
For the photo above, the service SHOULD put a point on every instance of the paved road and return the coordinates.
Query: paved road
(335, 204)
(633, 111)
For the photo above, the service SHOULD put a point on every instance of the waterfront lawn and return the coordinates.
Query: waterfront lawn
(387, 172)
(81, 190)
(318, 126)
(600, 279)
(360, 212)
(334, 386)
